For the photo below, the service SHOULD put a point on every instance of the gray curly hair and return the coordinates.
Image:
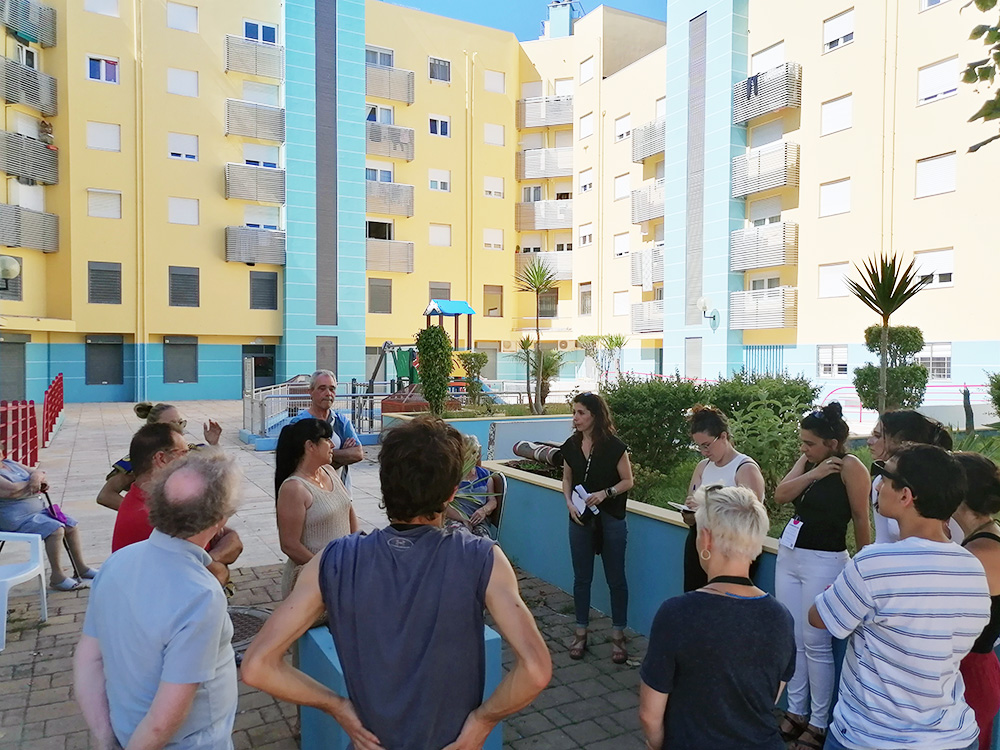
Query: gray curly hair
(194, 493)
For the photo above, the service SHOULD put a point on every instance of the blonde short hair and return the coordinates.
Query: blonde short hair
(736, 518)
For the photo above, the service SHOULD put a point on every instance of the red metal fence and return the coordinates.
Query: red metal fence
(19, 431)
(52, 407)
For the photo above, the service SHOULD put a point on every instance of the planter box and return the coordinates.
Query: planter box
(497, 433)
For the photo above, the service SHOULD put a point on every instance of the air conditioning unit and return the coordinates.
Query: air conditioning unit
(567, 345)
(509, 346)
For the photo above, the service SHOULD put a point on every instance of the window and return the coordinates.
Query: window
(531, 193)
(831, 361)
(182, 211)
(25, 196)
(104, 204)
(439, 290)
(763, 212)
(835, 197)
(263, 290)
(938, 265)
(379, 56)
(495, 81)
(586, 234)
(440, 235)
(493, 187)
(548, 304)
(531, 243)
(102, 69)
(184, 286)
(259, 31)
(764, 282)
(937, 81)
(439, 70)
(493, 301)
(261, 93)
(936, 175)
(766, 133)
(661, 108)
(621, 244)
(531, 89)
(104, 360)
(564, 247)
(493, 134)
(623, 186)
(836, 115)
(925, 4)
(563, 86)
(585, 299)
(587, 125)
(378, 113)
(379, 230)
(838, 31)
(380, 296)
(440, 126)
(587, 70)
(623, 127)
(586, 180)
(27, 57)
(376, 171)
(104, 7)
(104, 136)
(13, 290)
(259, 155)
(182, 82)
(767, 59)
(937, 359)
(182, 146)
(439, 179)
(180, 359)
(182, 17)
(833, 280)
(620, 304)
(492, 239)
(261, 217)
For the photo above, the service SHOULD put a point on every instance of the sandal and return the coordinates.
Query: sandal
(67, 584)
(618, 653)
(810, 739)
(89, 574)
(578, 646)
(797, 726)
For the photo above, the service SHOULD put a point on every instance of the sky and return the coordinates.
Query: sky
(522, 17)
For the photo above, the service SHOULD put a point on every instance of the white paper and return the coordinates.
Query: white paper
(580, 496)
(791, 533)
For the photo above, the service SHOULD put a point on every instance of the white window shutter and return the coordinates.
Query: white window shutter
(564, 87)
(104, 204)
(765, 208)
(937, 80)
(768, 58)
(835, 198)
(936, 175)
(182, 211)
(493, 239)
(495, 81)
(261, 153)
(182, 82)
(587, 69)
(587, 125)
(531, 89)
(493, 186)
(182, 17)
(838, 26)
(621, 244)
(260, 93)
(836, 115)
(621, 306)
(104, 136)
(623, 186)
(440, 235)
(766, 134)
(262, 215)
(493, 134)
(832, 280)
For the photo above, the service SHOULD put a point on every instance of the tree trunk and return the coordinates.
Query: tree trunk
(527, 380)
(539, 404)
(883, 363)
(970, 417)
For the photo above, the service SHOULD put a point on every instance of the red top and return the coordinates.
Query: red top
(132, 524)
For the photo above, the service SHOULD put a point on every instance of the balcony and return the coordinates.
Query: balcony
(252, 245)
(647, 202)
(30, 20)
(22, 227)
(392, 198)
(762, 247)
(389, 140)
(543, 215)
(559, 263)
(647, 266)
(540, 163)
(251, 183)
(255, 58)
(255, 120)
(389, 83)
(23, 156)
(649, 140)
(647, 317)
(389, 255)
(770, 91)
(773, 166)
(763, 308)
(544, 111)
(23, 85)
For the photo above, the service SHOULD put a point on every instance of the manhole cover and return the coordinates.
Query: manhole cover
(247, 622)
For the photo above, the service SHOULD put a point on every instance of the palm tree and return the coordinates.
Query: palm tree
(524, 355)
(885, 288)
(536, 277)
(614, 343)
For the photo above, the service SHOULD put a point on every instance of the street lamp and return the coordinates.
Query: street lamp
(9, 269)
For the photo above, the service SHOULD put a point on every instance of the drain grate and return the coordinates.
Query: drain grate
(247, 622)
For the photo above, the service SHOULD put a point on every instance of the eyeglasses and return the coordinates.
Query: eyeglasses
(879, 470)
(705, 447)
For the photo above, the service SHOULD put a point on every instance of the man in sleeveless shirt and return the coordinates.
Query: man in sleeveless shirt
(405, 607)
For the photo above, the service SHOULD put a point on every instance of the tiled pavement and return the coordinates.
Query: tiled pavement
(589, 704)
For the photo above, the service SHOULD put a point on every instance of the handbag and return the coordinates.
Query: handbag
(56, 512)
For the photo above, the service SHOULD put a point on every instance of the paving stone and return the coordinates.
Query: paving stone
(585, 733)
(530, 723)
(553, 740)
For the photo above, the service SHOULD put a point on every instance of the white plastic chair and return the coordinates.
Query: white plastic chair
(15, 573)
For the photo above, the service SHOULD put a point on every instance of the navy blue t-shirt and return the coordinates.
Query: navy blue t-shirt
(721, 660)
(406, 615)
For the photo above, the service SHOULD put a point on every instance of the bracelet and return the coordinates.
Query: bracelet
(611, 491)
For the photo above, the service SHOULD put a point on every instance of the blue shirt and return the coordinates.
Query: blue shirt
(159, 615)
(342, 430)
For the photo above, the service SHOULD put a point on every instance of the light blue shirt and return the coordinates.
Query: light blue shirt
(342, 430)
(159, 615)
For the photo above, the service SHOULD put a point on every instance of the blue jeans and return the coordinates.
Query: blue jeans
(832, 744)
(581, 547)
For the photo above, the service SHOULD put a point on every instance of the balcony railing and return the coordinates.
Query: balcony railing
(773, 166)
(559, 263)
(252, 245)
(23, 85)
(647, 202)
(649, 139)
(389, 255)
(22, 227)
(647, 317)
(392, 198)
(543, 215)
(647, 266)
(540, 163)
(251, 183)
(255, 58)
(389, 140)
(765, 246)
(23, 156)
(30, 20)
(763, 308)
(389, 83)
(770, 91)
(255, 120)
(543, 111)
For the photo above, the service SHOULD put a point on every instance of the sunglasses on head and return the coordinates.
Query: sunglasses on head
(879, 470)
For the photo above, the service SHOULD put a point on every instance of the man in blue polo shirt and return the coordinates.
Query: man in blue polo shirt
(346, 444)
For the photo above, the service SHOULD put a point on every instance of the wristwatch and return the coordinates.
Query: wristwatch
(611, 491)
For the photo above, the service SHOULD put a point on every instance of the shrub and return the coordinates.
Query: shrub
(994, 381)
(434, 352)
(473, 364)
(987, 445)
(904, 386)
(904, 342)
(768, 432)
(742, 389)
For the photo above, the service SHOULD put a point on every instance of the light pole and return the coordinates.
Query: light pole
(9, 269)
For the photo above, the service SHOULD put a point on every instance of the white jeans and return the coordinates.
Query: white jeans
(801, 575)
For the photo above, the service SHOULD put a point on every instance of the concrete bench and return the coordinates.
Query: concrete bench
(318, 659)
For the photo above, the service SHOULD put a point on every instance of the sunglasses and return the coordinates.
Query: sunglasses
(879, 470)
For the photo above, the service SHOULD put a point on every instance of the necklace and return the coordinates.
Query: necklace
(976, 530)
(316, 478)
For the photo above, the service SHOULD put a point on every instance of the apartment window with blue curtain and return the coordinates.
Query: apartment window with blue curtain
(260, 32)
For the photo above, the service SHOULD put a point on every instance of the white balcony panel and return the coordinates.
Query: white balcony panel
(763, 308)
(30, 20)
(647, 317)
(543, 215)
(773, 166)
(647, 266)
(773, 90)
(559, 263)
(252, 245)
(765, 246)
(392, 198)
(647, 202)
(389, 140)
(394, 256)
(649, 140)
(255, 120)
(255, 58)
(542, 163)
(23, 85)
(24, 156)
(389, 83)
(250, 183)
(544, 111)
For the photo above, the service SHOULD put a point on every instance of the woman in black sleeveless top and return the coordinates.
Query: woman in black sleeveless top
(980, 669)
